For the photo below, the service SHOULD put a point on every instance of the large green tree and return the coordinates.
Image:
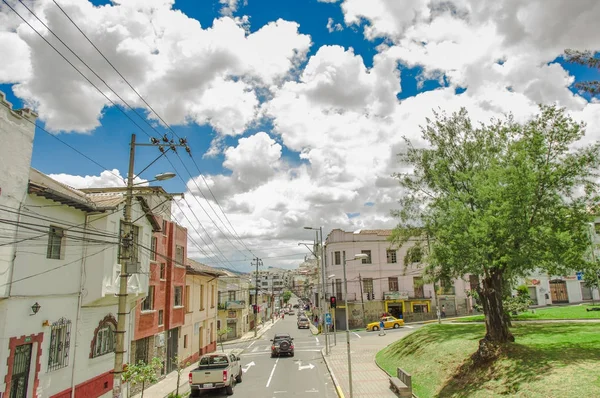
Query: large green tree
(498, 201)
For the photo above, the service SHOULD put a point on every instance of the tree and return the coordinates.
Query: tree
(498, 201)
(589, 59)
(144, 373)
(286, 296)
(222, 332)
(180, 366)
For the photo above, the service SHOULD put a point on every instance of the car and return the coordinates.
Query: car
(388, 323)
(282, 344)
(301, 313)
(217, 370)
(303, 323)
(295, 306)
(290, 311)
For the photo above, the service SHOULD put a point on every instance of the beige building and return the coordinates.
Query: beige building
(199, 333)
(234, 305)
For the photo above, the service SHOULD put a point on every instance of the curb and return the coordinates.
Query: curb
(259, 334)
(336, 383)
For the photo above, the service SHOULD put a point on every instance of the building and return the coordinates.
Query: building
(234, 306)
(199, 334)
(159, 315)
(380, 283)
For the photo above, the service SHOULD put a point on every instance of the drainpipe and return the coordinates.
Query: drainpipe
(79, 300)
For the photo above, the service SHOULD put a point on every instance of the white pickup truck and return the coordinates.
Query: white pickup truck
(216, 370)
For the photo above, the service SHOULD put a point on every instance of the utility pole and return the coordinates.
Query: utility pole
(127, 249)
(256, 296)
(362, 300)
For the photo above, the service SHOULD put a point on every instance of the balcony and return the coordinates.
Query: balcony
(351, 297)
(235, 304)
(408, 295)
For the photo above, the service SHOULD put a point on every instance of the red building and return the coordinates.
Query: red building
(160, 316)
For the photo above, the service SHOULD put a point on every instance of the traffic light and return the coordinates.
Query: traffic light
(368, 295)
(332, 301)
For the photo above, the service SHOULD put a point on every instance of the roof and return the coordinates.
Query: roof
(146, 190)
(378, 232)
(115, 196)
(195, 268)
(42, 185)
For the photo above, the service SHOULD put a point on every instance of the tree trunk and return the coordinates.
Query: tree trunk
(143, 385)
(178, 379)
(496, 321)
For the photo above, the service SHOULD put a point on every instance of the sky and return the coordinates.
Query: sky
(294, 111)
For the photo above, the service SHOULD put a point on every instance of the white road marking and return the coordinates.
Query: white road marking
(279, 392)
(251, 344)
(309, 366)
(272, 371)
(316, 338)
(313, 390)
(245, 368)
(255, 349)
(357, 335)
(410, 327)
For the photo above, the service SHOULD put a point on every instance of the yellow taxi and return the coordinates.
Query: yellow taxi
(389, 322)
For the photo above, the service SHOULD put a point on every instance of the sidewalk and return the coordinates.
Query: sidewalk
(368, 380)
(169, 383)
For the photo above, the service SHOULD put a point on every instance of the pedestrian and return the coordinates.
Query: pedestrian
(381, 327)
(443, 311)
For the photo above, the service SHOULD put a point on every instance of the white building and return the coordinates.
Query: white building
(59, 276)
(381, 283)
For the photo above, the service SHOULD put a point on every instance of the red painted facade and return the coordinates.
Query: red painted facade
(91, 388)
(167, 241)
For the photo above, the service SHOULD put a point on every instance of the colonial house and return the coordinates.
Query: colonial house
(158, 317)
(234, 305)
(198, 334)
(380, 283)
(60, 252)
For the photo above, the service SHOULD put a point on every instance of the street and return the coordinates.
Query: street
(303, 375)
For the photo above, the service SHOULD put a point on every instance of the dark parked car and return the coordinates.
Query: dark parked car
(282, 344)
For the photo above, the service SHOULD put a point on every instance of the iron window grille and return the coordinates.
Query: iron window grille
(55, 240)
(60, 340)
(178, 299)
(391, 256)
(368, 259)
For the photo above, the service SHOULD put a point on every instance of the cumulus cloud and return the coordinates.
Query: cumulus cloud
(168, 57)
(106, 179)
(333, 27)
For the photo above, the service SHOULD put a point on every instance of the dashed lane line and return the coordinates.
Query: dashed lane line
(272, 372)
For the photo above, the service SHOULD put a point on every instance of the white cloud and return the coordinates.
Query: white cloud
(333, 27)
(170, 59)
(229, 6)
(106, 179)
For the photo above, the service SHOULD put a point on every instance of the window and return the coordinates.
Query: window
(178, 299)
(185, 341)
(179, 253)
(187, 298)
(212, 296)
(218, 324)
(60, 339)
(104, 337)
(393, 284)
(391, 256)
(153, 243)
(161, 318)
(201, 297)
(368, 285)
(141, 350)
(55, 241)
(338, 258)
(231, 294)
(164, 227)
(368, 259)
(163, 271)
(148, 303)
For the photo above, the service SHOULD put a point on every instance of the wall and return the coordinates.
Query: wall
(17, 134)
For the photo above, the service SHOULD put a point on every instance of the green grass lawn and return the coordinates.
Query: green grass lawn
(563, 312)
(547, 360)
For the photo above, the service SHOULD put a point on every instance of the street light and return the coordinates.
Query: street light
(323, 304)
(358, 256)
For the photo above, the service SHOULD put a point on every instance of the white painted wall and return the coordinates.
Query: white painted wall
(16, 135)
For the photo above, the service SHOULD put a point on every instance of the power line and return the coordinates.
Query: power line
(169, 128)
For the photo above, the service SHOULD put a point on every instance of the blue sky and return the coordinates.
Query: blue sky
(287, 134)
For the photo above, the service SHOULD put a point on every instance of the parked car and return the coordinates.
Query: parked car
(216, 371)
(303, 323)
(282, 344)
(295, 306)
(301, 313)
(388, 323)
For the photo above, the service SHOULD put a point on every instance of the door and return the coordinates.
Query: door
(533, 295)
(20, 371)
(232, 332)
(558, 291)
(172, 346)
(395, 311)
